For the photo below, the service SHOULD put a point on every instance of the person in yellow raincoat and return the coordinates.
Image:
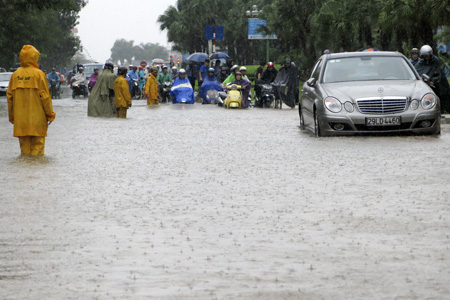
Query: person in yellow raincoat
(122, 93)
(30, 107)
(151, 88)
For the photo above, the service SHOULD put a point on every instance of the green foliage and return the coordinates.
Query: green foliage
(305, 28)
(44, 24)
(125, 51)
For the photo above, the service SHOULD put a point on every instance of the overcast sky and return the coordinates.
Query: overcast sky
(102, 22)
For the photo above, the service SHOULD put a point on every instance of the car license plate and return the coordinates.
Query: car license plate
(383, 121)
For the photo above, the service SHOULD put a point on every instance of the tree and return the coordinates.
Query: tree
(44, 24)
(124, 50)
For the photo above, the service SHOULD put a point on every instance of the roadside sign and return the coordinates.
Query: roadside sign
(209, 32)
(253, 28)
(143, 64)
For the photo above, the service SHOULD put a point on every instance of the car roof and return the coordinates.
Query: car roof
(6, 72)
(361, 54)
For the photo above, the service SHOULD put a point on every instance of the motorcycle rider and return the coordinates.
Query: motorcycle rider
(243, 71)
(260, 70)
(232, 77)
(414, 56)
(223, 74)
(164, 76)
(80, 79)
(174, 73)
(267, 77)
(287, 83)
(93, 79)
(246, 85)
(432, 66)
(54, 76)
(210, 83)
(192, 73)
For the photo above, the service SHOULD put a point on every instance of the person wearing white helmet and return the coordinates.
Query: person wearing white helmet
(234, 69)
(243, 71)
(174, 72)
(430, 65)
(182, 91)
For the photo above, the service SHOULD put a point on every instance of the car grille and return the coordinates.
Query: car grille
(385, 105)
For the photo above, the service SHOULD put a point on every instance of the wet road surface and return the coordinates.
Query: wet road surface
(198, 202)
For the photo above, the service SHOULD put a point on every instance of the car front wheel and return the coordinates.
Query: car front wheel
(316, 126)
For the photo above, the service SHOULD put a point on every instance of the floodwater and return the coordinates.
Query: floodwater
(199, 202)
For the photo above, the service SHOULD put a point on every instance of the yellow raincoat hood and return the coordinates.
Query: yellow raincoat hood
(29, 56)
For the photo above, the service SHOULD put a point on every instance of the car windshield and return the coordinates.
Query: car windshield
(89, 70)
(5, 77)
(366, 68)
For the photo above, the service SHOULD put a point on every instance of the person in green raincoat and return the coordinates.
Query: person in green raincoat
(101, 100)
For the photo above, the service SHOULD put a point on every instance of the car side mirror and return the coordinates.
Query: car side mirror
(426, 78)
(311, 82)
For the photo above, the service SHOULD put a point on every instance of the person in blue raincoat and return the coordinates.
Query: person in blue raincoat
(182, 91)
(141, 78)
(54, 76)
(210, 82)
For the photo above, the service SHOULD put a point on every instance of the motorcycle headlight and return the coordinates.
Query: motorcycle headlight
(414, 104)
(333, 104)
(428, 101)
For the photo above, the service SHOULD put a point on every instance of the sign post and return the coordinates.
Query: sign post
(254, 26)
(213, 33)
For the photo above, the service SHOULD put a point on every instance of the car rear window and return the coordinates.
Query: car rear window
(367, 68)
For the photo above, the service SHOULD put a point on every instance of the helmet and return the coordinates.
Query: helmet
(414, 51)
(130, 66)
(270, 64)
(154, 69)
(96, 69)
(174, 68)
(141, 68)
(109, 65)
(234, 68)
(239, 73)
(243, 69)
(182, 71)
(134, 67)
(80, 68)
(211, 70)
(164, 67)
(287, 61)
(122, 71)
(426, 50)
(224, 68)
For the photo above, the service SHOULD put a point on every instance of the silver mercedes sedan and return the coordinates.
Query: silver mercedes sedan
(367, 92)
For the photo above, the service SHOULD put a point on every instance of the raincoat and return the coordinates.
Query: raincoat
(121, 92)
(164, 77)
(209, 83)
(101, 100)
(30, 107)
(151, 89)
(141, 79)
(182, 91)
(93, 80)
(433, 69)
(79, 78)
(230, 78)
(245, 92)
(54, 76)
(286, 84)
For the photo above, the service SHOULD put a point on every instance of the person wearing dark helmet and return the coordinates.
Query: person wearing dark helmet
(122, 94)
(430, 65)
(101, 101)
(287, 83)
(223, 74)
(414, 56)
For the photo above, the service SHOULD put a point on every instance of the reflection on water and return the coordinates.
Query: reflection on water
(31, 160)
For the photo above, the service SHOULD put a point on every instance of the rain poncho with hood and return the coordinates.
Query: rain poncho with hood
(182, 91)
(433, 69)
(79, 78)
(286, 84)
(101, 101)
(209, 83)
(29, 104)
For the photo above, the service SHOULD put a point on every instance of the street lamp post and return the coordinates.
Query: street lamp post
(254, 14)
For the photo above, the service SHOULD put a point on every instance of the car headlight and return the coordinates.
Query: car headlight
(414, 104)
(333, 104)
(428, 101)
(349, 106)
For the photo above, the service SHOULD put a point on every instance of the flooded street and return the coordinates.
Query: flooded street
(199, 202)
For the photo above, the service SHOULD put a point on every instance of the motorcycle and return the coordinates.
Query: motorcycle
(54, 89)
(234, 96)
(165, 95)
(267, 98)
(79, 90)
(135, 90)
(213, 97)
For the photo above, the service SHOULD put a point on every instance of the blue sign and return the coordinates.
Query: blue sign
(254, 26)
(209, 33)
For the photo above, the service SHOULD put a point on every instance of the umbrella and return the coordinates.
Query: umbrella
(158, 61)
(197, 57)
(218, 55)
(371, 50)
